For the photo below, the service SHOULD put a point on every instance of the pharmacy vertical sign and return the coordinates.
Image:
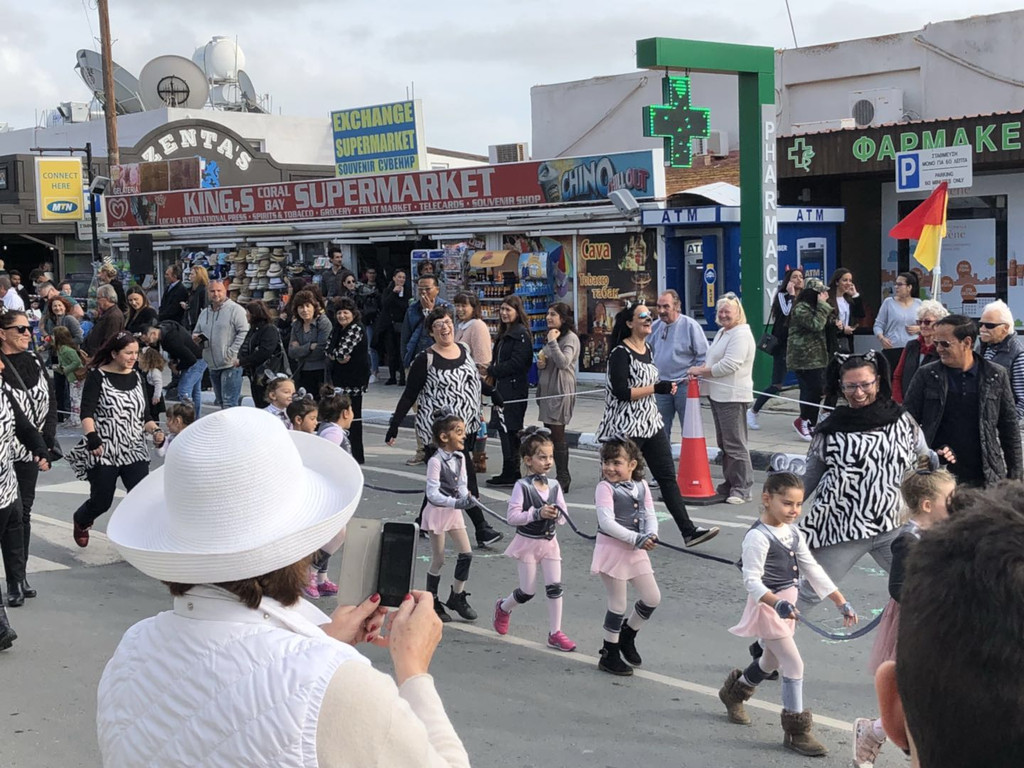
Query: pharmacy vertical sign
(769, 208)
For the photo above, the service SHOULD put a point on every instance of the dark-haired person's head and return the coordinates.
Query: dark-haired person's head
(257, 311)
(122, 347)
(440, 324)
(625, 320)
(560, 318)
(860, 379)
(954, 337)
(907, 285)
(467, 306)
(332, 403)
(954, 697)
(346, 304)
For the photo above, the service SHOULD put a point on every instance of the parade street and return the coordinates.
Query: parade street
(495, 689)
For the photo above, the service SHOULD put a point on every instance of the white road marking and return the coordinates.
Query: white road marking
(79, 487)
(40, 565)
(99, 552)
(672, 682)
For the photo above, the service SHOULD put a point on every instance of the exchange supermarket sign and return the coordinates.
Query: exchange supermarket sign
(386, 138)
(563, 180)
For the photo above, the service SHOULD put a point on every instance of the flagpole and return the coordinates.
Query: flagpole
(937, 274)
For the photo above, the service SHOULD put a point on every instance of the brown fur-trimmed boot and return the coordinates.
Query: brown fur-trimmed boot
(733, 693)
(799, 738)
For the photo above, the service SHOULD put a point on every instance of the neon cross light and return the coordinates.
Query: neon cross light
(677, 121)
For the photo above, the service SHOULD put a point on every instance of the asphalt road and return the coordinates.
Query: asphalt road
(514, 701)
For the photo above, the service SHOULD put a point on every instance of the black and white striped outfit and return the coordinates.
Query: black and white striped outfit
(119, 417)
(640, 421)
(16, 432)
(35, 402)
(453, 384)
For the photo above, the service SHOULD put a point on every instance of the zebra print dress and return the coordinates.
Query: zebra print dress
(453, 384)
(630, 418)
(9, 446)
(858, 496)
(120, 421)
(35, 403)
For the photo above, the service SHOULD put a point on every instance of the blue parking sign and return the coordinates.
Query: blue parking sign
(908, 172)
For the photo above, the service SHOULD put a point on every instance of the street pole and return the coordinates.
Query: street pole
(110, 103)
(92, 205)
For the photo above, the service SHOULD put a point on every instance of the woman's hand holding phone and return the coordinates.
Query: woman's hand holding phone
(415, 631)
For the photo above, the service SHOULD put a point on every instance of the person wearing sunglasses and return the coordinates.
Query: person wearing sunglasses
(966, 402)
(1001, 344)
(631, 382)
(919, 351)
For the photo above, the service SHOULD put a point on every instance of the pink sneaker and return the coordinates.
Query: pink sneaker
(501, 618)
(311, 590)
(327, 587)
(561, 642)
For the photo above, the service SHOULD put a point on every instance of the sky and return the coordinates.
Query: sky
(472, 63)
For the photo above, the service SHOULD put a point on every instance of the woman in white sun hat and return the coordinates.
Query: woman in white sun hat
(249, 672)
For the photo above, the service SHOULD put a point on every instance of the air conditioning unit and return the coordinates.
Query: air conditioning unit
(876, 107)
(508, 153)
(74, 111)
(718, 144)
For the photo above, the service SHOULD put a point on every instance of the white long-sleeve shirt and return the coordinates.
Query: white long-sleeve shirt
(755, 553)
(458, 467)
(606, 522)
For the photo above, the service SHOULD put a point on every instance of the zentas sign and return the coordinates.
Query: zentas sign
(992, 139)
(192, 140)
(564, 180)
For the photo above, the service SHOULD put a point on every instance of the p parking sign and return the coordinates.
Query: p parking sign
(925, 169)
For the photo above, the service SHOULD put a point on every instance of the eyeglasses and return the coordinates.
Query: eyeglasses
(19, 328)
(943, 344)
(439, 324)
(902, 285)
(853, 386)
(927, 323)
(991, 326)
(644, 316)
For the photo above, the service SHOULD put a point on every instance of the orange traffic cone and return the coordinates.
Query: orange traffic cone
(694, 475)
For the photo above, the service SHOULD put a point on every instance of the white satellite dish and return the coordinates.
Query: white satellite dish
(249, 96)
(126, 86)
(173, 81)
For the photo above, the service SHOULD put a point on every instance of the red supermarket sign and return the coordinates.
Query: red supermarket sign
(548, 182)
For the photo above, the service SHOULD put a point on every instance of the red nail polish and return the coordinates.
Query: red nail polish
(407, 597)
(375, 597)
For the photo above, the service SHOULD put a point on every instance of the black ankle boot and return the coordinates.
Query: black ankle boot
(27, 589)
(7, 633)
(562, 467)
(756, 652)
(612, 662)
(15, 597)
(627, 644)
(458, 603)
(442, 614)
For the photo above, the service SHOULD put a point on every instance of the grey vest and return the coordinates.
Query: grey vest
(1006, 351)
(629, 512)
(540, 528)
(781, 569)
(449, 479)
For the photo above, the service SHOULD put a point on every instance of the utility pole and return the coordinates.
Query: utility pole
(110, 103)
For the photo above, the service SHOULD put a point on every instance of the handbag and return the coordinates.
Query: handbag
(769, 342)
(83, 370)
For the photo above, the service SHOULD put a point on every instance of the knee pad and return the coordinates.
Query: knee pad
(462, 563)
(643, 610)
(613, 621)
(554, 591)
(521, 597)
(754, 674)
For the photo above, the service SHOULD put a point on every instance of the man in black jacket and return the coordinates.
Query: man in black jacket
(966, 402)
(175, 298)
(186, 356)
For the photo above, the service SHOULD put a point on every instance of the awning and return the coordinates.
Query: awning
(491, 259)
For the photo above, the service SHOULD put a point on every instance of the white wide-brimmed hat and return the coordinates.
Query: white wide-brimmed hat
(238, 496)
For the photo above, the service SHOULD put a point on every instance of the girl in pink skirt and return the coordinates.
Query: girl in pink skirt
(926, 494)
(535, 509)
(775, 558)
(447, 495)
(627, 530)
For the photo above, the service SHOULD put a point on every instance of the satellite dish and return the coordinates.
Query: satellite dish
(249, 97)
(173, 81)
(225, 94)
(220, 59)
(126, 86)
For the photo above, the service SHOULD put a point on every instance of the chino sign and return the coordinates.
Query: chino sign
(386, 138)
(59, 195)
(990, 140)
(562, 180)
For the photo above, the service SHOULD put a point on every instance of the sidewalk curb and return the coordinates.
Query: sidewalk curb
(587, 441)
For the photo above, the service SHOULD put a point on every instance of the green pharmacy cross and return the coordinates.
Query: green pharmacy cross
(677, 121)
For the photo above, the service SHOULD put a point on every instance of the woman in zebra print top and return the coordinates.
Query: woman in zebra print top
(631, 411)
(445, 376)
(115, 419)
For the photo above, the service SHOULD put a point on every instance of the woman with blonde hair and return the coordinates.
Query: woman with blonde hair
(728, 381)
(107, 275)
(200, 279)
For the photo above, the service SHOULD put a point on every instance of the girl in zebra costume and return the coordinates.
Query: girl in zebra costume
(444, 376)
(115, 420)
(25, 377)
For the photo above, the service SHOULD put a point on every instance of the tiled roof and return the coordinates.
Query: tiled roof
(705, 170)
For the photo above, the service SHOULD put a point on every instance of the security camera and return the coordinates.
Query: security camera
(625, 202)
(99, 185)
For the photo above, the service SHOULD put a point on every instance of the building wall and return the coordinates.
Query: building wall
(937, 68)
(604, 114)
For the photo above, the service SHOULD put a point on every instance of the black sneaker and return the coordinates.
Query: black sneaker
(458, 603)
(611, 662)
(442, 614)
(700, 535)
(756, 652)
(487, 536)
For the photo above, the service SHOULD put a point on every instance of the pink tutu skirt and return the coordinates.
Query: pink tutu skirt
(884, 648)
(619, 559)
(440, 519)
(532, 551)
(760, 619)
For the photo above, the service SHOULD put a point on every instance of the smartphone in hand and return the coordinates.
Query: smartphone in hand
(397, 565)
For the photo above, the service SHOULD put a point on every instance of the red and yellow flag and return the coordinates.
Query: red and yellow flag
(927, 225)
